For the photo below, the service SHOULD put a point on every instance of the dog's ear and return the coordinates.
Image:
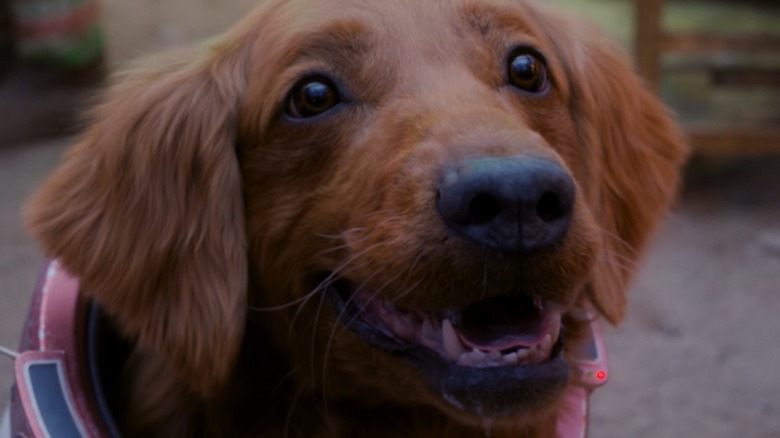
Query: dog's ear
(147, 211)
(636, 154)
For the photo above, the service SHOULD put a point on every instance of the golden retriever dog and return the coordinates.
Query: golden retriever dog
(349, 218)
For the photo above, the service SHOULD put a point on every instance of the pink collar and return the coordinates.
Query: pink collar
(52, 330)
(589, 365)
(50, 397)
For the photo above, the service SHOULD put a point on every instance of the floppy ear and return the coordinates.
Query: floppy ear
(147, 211)
(636, 155)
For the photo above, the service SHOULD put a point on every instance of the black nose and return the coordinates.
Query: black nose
(513, 204)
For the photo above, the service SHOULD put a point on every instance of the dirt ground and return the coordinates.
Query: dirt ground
(698, 353)
(696, 356)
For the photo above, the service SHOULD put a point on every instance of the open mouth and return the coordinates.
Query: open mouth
(493, 356)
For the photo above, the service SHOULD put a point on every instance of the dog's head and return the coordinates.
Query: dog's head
(408, 196)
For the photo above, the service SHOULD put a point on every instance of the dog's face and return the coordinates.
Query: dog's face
(438, 232)
(416, 192)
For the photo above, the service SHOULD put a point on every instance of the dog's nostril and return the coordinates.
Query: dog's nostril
(483, 208)
(551, 207)
(514, 204)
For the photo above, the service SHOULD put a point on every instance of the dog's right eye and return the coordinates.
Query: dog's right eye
(311, 97)
(526, 70)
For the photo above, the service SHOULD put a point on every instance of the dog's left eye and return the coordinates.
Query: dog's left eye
(526, 70)
(311, 97)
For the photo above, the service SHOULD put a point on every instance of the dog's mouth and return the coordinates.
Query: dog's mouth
(493, 356)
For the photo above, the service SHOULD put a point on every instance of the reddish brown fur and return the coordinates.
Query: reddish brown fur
(189, 206)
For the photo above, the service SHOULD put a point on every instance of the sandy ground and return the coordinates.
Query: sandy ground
(697, 355)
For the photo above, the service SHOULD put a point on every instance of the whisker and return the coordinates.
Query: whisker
(336, 326)
(340, 235)
(619, 240)
(409, 272)
(281, 381)
(334, 275)
(343, 245)
(282, 306)
(618, 260)
(312, 346)
(319, 254)
(346, 266)
(288, 418)
(320, 287)
(408, 290)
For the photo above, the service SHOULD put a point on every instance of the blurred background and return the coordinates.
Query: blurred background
(699, 353)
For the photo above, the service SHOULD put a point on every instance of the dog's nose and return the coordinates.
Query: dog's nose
(513, 204)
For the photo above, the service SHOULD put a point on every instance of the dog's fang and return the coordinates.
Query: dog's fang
(452, 344)
(547, 343)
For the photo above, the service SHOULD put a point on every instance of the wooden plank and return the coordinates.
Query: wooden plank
(730, 141)
(745, 77)
(717, 140)
(648, 38)
(703, 42)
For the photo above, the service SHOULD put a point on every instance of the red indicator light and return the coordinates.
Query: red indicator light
(601, 375)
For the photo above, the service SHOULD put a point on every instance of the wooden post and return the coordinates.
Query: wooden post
(649, 38)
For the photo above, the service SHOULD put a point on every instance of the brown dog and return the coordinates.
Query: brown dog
(362, 218)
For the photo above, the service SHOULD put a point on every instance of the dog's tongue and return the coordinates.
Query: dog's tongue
(503, 323)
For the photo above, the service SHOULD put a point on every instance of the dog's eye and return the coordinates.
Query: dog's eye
(311, 97)
(526, 71)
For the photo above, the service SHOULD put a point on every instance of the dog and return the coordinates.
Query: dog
(362, 218)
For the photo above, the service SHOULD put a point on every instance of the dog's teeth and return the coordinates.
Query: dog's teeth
(494, 355)
(405, 326)
(429, 331)
(510, 359)
(473, 358)
(452, 344)
(541, 354)
(546, 344)
(477, 358)
(522, 354)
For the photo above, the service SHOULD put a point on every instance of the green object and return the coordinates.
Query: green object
(60, 33)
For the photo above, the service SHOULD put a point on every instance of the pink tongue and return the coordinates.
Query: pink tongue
(497, 338)
(504, 322)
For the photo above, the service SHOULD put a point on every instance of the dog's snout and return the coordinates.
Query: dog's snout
(513, 204)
